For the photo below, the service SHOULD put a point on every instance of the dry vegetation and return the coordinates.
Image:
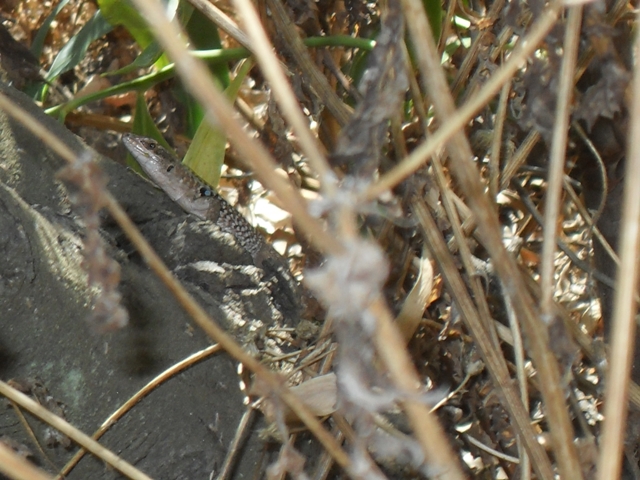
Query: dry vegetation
(463, 190)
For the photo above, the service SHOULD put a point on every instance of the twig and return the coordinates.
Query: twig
(519, 353)
(429, 432)
(234, 447)
(32, 435)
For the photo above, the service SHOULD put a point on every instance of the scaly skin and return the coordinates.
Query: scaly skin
(199, 199)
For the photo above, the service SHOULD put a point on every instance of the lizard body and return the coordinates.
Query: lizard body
(199, 199)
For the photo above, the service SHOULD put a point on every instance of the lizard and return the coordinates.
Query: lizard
(201, 200)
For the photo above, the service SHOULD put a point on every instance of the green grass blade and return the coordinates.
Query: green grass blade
(76, 48)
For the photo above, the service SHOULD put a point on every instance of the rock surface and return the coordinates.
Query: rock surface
(183, 428)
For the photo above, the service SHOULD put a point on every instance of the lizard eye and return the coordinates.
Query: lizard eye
(205, 191)
(152, 145)
(170, 167)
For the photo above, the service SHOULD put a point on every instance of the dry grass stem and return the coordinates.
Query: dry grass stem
(589, 220)
(317, 80)
(16, 467)
(495, 362)
(557, 160)
(456, 120)
(223, 21)
(439, 455)
(466, 173)
(283, 92)
(448, 199)
(69, 430)
(129, 404)
(625, 306)
(235, 447)
(514, 163)
(519, 353)
(472, 56)
(496, 145)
